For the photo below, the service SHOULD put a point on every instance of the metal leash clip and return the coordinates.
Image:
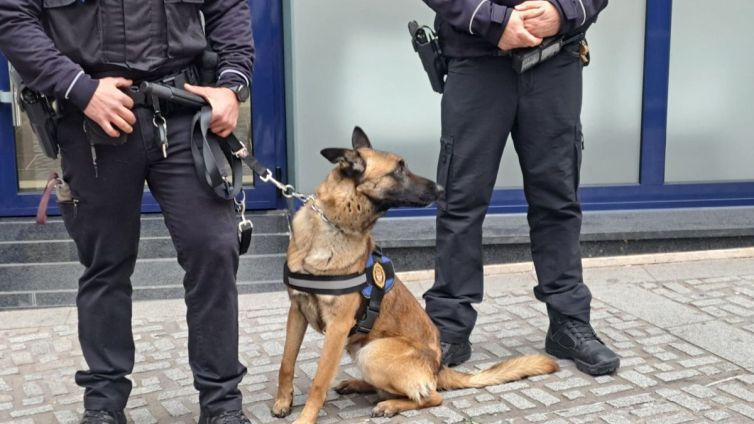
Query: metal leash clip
(245, 227)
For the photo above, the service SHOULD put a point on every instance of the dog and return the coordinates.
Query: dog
(400, 357)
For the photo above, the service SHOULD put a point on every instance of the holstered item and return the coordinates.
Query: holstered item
(427, 45)
(43, 119)
(207, 67)
(584, 52)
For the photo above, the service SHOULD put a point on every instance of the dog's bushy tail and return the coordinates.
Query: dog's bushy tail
(503, 372)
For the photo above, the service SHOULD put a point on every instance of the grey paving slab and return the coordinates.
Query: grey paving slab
(724, 340)
(620, 274)
(643, 303)
(670, 372)
(701, 269)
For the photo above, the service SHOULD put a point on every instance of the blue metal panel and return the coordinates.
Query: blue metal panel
(655, 102)
(268, 121)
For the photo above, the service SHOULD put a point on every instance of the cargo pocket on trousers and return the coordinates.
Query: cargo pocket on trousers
(443, 167)
(69, 210)
(184, 27)
(578, 146)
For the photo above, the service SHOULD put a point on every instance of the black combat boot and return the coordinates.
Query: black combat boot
(455, 353)
(569, 338)
(103, 417)
(227, 417)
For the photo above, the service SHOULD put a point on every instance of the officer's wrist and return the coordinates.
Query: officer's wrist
(239, 90)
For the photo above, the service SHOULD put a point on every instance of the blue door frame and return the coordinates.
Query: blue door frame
(268, 121)
(652, 192)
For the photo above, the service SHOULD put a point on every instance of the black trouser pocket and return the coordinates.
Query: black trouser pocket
(578, 146)
(443, 167)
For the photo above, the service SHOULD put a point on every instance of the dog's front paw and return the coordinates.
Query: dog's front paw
(282, 408)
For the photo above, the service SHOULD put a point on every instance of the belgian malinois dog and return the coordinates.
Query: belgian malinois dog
(400, 357)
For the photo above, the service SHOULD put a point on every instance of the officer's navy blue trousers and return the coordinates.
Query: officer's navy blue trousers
(105, 223)
(484, 102)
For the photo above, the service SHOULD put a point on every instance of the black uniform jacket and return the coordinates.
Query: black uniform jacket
(469, 28)
(61, 47)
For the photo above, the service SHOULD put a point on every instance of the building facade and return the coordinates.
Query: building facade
(667, 104)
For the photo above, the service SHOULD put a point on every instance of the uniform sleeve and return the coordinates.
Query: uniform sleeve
(34, 55)
(577, 14)
(228, 27)
(476, 17)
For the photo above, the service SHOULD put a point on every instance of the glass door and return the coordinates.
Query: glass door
(24, 169)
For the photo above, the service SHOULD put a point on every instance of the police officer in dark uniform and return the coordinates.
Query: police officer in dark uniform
(91, 55)
(484, 101)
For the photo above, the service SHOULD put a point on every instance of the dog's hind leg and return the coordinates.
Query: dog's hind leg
(391, 407)
(395, 366)
(354, 386)
(295, 331)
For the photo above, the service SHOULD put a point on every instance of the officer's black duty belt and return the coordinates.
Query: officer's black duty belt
(376, 280)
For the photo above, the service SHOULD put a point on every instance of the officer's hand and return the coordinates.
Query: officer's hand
(111, 108)
(224, 108)
(515, 35)
(542, 19)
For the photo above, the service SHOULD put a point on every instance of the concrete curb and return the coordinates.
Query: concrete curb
(612, 261)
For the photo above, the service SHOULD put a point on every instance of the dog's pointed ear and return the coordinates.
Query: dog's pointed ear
(351, 163)
(359, 139)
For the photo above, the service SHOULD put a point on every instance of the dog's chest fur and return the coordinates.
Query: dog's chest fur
(319, 310)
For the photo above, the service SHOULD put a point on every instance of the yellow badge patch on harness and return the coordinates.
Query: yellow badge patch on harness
(378, 275)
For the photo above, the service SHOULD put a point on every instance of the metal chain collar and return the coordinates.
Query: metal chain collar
(288, 191)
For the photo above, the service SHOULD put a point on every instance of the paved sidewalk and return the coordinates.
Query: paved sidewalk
(684, 330)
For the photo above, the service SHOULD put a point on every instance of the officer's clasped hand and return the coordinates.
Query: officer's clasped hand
(111, 108)
(224, 107)
(515, 35)
(541, 18)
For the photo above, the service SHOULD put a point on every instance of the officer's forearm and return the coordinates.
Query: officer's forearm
(228, 27)
(476, 17)
(33, 54)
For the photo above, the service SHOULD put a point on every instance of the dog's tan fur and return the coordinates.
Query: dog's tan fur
(400, 357)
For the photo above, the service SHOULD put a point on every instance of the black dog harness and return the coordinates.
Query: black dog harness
(376, 280)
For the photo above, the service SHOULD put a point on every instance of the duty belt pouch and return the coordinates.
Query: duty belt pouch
(98, 137)
(427, 45)
(43, 119)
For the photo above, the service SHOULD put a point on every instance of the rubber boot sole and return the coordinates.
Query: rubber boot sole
(600, 368)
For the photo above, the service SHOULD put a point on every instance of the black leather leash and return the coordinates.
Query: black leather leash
(218, 161)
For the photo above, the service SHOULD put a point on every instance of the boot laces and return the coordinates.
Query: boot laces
(582, 330)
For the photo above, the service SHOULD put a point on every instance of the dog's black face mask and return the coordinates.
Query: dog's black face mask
(383, 177)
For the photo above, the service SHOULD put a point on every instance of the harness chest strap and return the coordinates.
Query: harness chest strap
(376, 280)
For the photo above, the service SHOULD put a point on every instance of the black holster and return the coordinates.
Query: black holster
(427, 45)
(43, 119)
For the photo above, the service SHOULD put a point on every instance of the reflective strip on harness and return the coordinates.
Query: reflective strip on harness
(323, 284)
